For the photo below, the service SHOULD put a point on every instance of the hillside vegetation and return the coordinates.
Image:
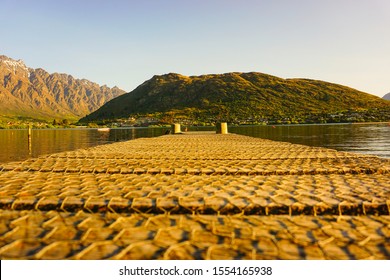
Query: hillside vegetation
(236, 97)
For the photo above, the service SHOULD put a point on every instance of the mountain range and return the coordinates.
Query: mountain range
(233, 96)
(34, 93)
(386, 96)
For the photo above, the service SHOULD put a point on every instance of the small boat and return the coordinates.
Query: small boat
(103, 129)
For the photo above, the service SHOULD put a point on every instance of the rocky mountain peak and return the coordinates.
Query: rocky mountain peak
(36, 93)
(14, 66)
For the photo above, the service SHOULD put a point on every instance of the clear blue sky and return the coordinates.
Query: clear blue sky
(125, 42)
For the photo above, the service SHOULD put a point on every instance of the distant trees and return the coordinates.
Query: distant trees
(92, 125)
(64, 122)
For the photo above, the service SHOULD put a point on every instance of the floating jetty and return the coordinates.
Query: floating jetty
(196, 195)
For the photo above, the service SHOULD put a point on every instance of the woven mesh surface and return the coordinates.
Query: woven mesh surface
(80, 235)
(196, 196)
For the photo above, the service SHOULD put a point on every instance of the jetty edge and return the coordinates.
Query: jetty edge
(196, 195)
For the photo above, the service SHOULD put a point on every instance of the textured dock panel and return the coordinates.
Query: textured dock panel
(196, 196)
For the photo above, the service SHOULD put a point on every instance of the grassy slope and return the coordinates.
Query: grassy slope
(239, 95)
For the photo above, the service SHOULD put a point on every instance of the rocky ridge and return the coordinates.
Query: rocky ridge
(35, 93)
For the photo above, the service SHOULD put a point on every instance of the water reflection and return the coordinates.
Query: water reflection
(362, 138)
(14, 144)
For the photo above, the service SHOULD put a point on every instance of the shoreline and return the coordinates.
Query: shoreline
(194, 126)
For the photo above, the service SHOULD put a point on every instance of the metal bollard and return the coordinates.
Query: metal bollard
(177, 128)
(222, 128)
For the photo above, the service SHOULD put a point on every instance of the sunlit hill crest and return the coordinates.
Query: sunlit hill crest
(233, 96)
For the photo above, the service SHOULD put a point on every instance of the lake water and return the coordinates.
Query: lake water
(373, 139)
(14, 142)
(360, 138)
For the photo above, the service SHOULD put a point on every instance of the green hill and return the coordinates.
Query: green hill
(235, 96)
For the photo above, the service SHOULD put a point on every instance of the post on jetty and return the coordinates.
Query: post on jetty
(222, 128)
(176, 128)
(29, 140)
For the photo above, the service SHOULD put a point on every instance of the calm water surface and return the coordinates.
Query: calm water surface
(371, 139)
(360, 138)
(14, 142)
